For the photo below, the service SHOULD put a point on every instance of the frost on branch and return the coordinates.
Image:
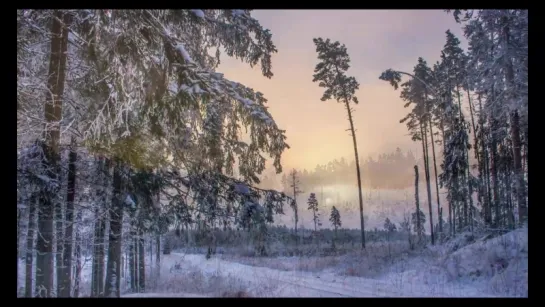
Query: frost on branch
(159, 76)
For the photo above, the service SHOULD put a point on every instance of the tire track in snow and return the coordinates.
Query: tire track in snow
(368, 288)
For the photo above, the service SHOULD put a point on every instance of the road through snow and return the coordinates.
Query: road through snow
(275, 283)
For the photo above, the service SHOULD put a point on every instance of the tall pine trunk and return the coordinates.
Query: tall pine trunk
(65, 279)
(352, 130)
(133, 256)
(517, 168)
(97, 279)
(486, 170)
(494, 174)
(417, 202)
(439, 211)
(113, 267)
(450, 211)
(77, 255)
(141, 262)
(427, 176)
(30, 246)
(59, 238)
(295, 209)
(158, 255)
(53, 116)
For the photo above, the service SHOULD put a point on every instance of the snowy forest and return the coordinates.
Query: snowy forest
(143, 171)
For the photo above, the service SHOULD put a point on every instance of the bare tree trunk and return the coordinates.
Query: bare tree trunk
(439, 211)
(357, 172)
(30, 246)
(141, 263)
(65, 279)
(113, 268)
(53, 114)
(314, 215)
(427, 175)
(59, 237)
(132, 262)
(486, 171)
(20, 218)
(450, 211)
(97, 281)
(495, 180)
(158, 255)
(517, 168)
(296, 191)
(417, 201)
(77, 255)
(476, 151)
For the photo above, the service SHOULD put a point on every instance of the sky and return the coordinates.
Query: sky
(376, 40)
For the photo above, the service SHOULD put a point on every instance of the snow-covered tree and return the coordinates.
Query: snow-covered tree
(142, 98)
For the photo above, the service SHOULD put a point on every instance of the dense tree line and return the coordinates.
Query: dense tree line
(490, 81)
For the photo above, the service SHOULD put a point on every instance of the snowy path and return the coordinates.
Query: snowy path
(306, 284)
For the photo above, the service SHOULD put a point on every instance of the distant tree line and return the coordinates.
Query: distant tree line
(392, 170)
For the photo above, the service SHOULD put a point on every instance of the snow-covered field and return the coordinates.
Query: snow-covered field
(463, 267)
(496, 267)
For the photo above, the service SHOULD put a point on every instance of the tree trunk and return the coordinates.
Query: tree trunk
(113, 281)
(486, 171)
(59, 238)
(295, 207)
(357, 172)
(314, 215)
(141, 263)
(30, 246)
(65, 280)
(439, 211)
(417, 201)
(476, 150)
(427, 176)
(495, 179)
(132, 262)
(77, 255)
(53, 115)
(158, 255)
(450, 211)
(476, 140)
(517, 168)
(97, 280)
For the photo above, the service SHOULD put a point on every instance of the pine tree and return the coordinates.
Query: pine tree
(313, 206)
(389, 227)
(335, 219)
(416, 91)
(331, 74)
(294, 184)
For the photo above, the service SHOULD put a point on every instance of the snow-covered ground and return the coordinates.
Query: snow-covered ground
(463, 267)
